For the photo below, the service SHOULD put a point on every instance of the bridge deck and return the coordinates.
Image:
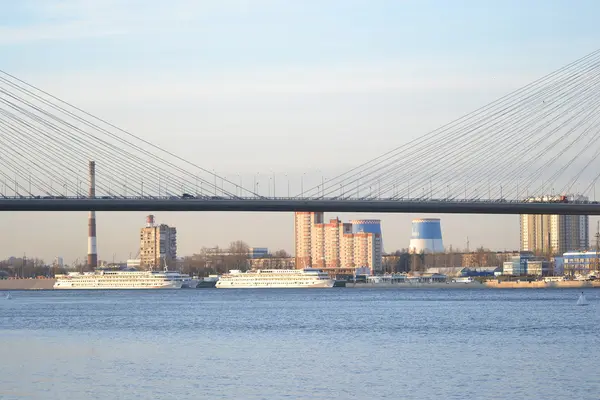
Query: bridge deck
(290, 205)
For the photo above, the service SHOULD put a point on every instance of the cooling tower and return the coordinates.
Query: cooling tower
(426, 236)
(366, 226)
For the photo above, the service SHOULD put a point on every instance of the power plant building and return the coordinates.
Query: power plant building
(426, 236)
(158, 245)
(337, 245)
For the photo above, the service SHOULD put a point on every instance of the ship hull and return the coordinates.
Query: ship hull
(67, 286)
(260, 285)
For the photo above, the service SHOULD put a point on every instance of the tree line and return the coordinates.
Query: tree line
(23, 267)
(216, 260)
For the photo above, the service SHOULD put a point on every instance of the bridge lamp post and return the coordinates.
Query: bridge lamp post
(288, 185)
(215, 176)
(240, 178)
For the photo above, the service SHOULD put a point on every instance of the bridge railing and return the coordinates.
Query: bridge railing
(262, 198)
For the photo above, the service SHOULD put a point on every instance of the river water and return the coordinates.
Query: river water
(300, 344)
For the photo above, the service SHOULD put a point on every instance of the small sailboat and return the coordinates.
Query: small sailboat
(8, 296)
(581, 301)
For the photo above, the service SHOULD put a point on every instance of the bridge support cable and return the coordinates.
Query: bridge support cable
(484, 158)
(517, 139)
(133, 160)
(589, 125)
(52, 139)
(480, 152)
(544, 151)
(531, 138)
(364, 170)
(113, 156)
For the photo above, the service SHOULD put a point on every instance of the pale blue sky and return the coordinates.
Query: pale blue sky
(297, 87)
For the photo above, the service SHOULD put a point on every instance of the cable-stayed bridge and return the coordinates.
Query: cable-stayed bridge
(534, 150)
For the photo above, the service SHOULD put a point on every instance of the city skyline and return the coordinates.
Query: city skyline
(123, 239)
(277, 97)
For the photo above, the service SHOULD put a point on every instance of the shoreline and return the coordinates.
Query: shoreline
(493, 284)
(27, 284)
(48, 284)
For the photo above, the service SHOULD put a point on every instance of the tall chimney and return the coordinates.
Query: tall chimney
(92, 251)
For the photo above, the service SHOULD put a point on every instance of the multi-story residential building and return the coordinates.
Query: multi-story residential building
(317, 254)
(554, 234)
(158, 245)
(303, 233)
(336, 245)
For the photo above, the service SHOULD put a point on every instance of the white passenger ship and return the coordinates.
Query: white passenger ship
(275, 278)
(114, 279)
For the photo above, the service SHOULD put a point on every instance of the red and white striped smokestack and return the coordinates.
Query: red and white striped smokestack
(92, 251)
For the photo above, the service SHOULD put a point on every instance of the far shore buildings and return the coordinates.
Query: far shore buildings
(335, 246)
(555, 234)
(158, 245)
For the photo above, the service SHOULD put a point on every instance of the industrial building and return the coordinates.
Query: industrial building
(581, 263)
(158, 245)
(337, 247)
(426, 236)
(526, 263)
(258, 252)
(554, 234)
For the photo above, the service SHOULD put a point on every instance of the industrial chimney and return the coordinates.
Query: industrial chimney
(92, 251)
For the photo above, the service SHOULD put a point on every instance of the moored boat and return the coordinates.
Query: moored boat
(275, 278)
(122, 279)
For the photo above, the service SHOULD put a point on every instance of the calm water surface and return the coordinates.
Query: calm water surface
(300, 344)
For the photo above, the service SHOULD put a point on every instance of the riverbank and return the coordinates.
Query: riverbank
(26, 284)
(405, 285)
(492, 284)
(543, 285)
(47, 284)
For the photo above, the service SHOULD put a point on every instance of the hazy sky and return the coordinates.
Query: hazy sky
(256, 87)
